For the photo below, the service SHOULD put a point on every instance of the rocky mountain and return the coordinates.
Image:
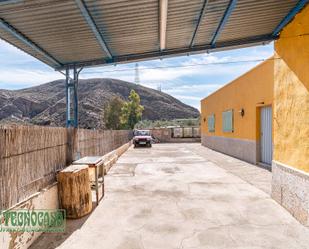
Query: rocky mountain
(45, 104)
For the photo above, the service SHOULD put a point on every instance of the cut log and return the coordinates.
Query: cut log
(74, 191)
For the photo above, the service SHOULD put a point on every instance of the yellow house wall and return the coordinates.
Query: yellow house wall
(247, 92)
(291, 94)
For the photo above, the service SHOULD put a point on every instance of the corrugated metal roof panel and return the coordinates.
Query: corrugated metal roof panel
(130, 29)
(50, 27)
(11, 39)
(253, 18)
(181, 21)
(215, 10)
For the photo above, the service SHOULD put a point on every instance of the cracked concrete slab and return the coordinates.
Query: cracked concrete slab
(183, 196)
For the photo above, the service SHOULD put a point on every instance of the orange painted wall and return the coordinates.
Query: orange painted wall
(245, 92)
(291, 94)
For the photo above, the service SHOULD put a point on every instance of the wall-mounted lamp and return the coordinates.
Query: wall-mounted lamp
(242, 112)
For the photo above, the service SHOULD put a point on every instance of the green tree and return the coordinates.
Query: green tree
(112, 114)
(131, 112)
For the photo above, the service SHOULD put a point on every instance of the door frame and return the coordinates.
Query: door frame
(258, 134)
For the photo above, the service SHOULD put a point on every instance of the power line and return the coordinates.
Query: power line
(185, 66)
(198, 64)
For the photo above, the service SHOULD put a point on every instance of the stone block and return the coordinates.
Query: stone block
(290, 188)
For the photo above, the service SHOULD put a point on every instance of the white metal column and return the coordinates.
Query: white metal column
(266, 135)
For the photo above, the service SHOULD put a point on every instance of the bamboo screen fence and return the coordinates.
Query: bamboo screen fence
(30, 156)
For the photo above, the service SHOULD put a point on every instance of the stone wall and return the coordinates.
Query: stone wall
(290, 189)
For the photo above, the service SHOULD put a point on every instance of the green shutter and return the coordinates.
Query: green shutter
(211, 123)
(227, 118)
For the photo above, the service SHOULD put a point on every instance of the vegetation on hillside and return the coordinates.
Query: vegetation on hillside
(149, 124)
(46, 105)
(121, 114)
(112, 114)
(131, 111)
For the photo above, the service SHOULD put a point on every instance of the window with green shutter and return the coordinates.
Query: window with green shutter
(227, 119)
(211, 123)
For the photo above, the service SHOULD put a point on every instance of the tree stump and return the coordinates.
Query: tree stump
(74, 191)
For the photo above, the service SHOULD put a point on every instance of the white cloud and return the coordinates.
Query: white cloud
(192, 94)
(16, 77)
(196, 89)
(187, 97)
(121, 75)
(167, 69)
(10, 55)
(175, 75)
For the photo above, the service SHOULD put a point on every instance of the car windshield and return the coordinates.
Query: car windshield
(142, 133)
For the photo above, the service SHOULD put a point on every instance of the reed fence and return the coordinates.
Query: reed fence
(30, 156)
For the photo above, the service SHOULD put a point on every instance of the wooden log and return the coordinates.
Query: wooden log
(74, 191)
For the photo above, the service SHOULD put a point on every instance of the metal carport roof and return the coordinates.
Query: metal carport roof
(89, 32)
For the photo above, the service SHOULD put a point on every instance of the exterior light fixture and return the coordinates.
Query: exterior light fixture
(242, 112)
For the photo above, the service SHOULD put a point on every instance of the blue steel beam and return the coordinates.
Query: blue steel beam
(250, 41)
(86, 14)
(289, 16)
(199, 22)
(10, 29)
(224, 19)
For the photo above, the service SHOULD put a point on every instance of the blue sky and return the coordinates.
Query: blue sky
(189, 83)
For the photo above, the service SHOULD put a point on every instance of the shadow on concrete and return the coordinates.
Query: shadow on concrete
(53, 240)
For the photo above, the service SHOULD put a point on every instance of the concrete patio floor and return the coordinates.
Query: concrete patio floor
(183, 196)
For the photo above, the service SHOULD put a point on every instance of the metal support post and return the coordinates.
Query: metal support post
(72, 97)
(67, 97)
(75, 87)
